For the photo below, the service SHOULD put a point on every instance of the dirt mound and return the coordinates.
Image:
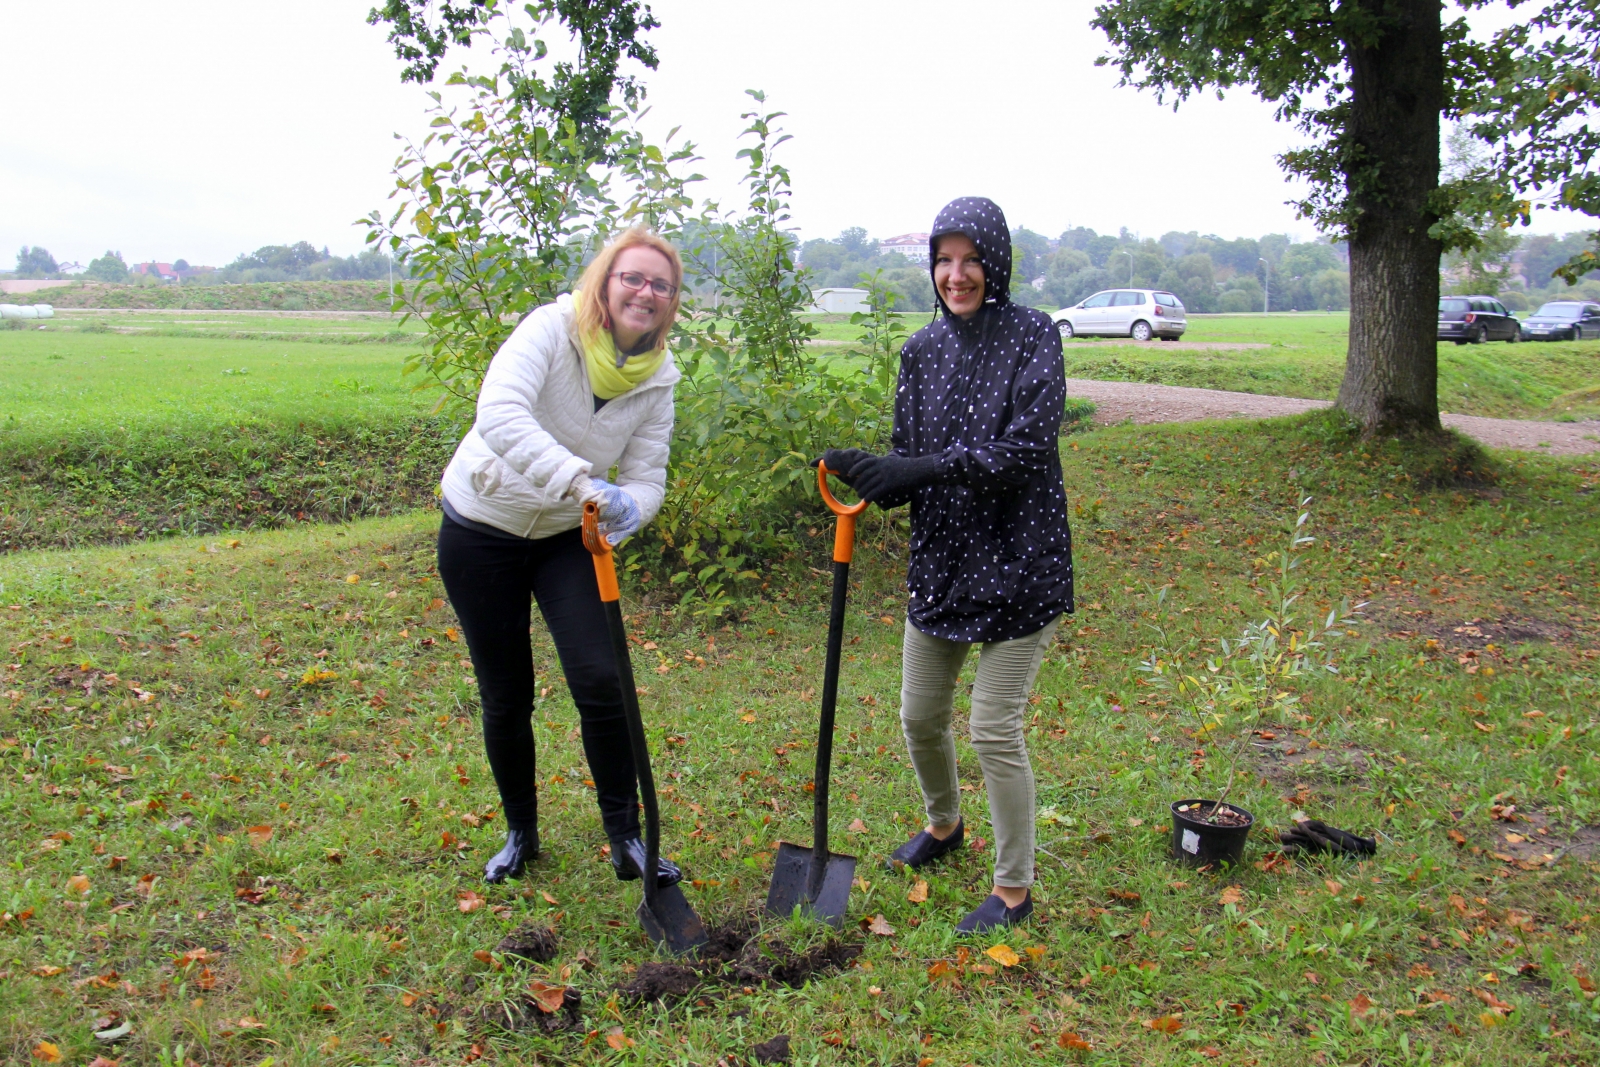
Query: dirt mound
(530, 941)
(661, 981)
(527, 1014)
(737, 954)
(775, 1050)
(774, 961)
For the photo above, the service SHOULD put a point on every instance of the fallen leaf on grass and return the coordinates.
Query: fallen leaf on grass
(468, 901)
(408, 998)
(47, 1052)
(1360, 1006)
(1037, 952)
(1333, 887)
(101, 1061)
(857, 827)
(548, 899)
(1231, 895)
(145, 885)
(878, 925)
(1493, 1001)
(1072, 1041)
(548, 997)
(258, 835)
(250, 1022)
(1420, 970)
(48, 970)
(617, 1039)
(193, 956)
(1004, 956)
(1166, 1024)
(918, 893)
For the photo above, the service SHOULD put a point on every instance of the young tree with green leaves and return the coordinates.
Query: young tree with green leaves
(1537, 111)
(1368, 80)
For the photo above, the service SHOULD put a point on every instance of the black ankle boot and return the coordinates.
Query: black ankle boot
(521, 849)
(627, 858)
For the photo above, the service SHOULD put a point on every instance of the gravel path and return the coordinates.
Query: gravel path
(1141, 403)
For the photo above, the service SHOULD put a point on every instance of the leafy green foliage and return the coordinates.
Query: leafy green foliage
(756, 404)
(35, 263)
(109, 268)
(1537, 110)
(505, 198)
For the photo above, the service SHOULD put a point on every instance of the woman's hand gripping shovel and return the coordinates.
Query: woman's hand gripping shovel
(665, 915)
(812, 878)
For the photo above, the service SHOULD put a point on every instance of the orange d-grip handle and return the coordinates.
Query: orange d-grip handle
(844, 534)
(605, 571)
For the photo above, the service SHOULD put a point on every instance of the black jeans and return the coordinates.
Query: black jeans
(489, 580)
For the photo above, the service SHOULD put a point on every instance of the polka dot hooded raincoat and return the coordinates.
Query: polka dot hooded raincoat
(991, 554)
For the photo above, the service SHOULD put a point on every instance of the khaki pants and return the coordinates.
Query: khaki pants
(1006, 673)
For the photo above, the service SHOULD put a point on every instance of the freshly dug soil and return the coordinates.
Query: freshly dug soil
(527, 1015)
(660, 981)
(530, 941)
(775, 1050)
(774, 961)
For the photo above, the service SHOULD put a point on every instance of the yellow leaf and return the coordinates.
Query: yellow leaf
(1490, 1018)
(1004, 956)
(47, 1052)
(352, 578)
(79, 884)
(1231, 895)
(919, 892)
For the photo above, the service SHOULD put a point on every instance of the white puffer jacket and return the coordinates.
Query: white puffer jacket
(537, 433)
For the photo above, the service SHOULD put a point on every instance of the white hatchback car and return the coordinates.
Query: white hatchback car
(1137, 313)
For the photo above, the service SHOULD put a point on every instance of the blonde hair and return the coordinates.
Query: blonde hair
(592, 315)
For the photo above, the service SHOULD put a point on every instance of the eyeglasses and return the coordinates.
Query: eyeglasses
(635, 281)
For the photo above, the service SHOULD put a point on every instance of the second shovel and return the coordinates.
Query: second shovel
(812, 878)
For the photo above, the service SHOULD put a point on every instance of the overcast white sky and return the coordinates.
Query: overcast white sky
(199, 129)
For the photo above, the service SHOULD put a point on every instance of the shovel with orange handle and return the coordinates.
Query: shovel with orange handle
(665, 914)
(812, 878)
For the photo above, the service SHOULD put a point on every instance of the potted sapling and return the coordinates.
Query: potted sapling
(1225, 693)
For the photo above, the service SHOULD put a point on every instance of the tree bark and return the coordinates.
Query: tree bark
(1391, 374)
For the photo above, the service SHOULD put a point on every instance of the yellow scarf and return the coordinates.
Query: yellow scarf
(606, 378)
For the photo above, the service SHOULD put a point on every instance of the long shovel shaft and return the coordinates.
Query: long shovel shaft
(640, 746)
(830, 701)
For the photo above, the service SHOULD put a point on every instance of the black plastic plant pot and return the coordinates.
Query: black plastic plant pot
(1198, 843)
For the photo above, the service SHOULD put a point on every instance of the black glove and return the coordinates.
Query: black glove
(891, 477)
(1313, 835)
(843, 461)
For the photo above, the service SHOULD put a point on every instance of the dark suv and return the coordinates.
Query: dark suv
(1476, 319)
(1563, 320)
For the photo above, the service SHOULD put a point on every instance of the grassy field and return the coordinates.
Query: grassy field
(106, 436)
(248, 807)
(286, 296)
(1305, 358)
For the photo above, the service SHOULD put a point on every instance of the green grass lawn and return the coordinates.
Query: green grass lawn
(248, 808)
(1547, 380)
(113, 437)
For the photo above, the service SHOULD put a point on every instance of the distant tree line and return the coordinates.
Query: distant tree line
(299, 262)
(1208, 273)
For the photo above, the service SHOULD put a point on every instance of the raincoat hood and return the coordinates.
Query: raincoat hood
(981, 221)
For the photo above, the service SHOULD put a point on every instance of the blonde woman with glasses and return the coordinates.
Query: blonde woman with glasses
(582, 386)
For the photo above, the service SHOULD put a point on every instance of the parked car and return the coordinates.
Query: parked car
(1476, 319)
(1563, 320)
(1137, 313)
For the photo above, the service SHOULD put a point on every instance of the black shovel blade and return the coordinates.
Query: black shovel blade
(672, 922)
(792, 884)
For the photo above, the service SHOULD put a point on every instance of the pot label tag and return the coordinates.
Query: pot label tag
(1191, 842)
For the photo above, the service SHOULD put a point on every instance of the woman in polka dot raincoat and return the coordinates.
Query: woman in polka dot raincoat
(975, 453)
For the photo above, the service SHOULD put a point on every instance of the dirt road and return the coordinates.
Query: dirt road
(1138, 402)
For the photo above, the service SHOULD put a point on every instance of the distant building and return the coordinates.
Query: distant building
(914, 246)
(167, 272)
(839, 301)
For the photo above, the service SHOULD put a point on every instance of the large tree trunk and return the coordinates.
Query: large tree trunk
(1397, 92)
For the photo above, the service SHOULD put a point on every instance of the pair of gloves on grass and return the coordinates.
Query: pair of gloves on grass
(880, 478)
(1314, 835)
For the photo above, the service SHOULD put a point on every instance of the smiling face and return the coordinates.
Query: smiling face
(637, 313)
(958, 275)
